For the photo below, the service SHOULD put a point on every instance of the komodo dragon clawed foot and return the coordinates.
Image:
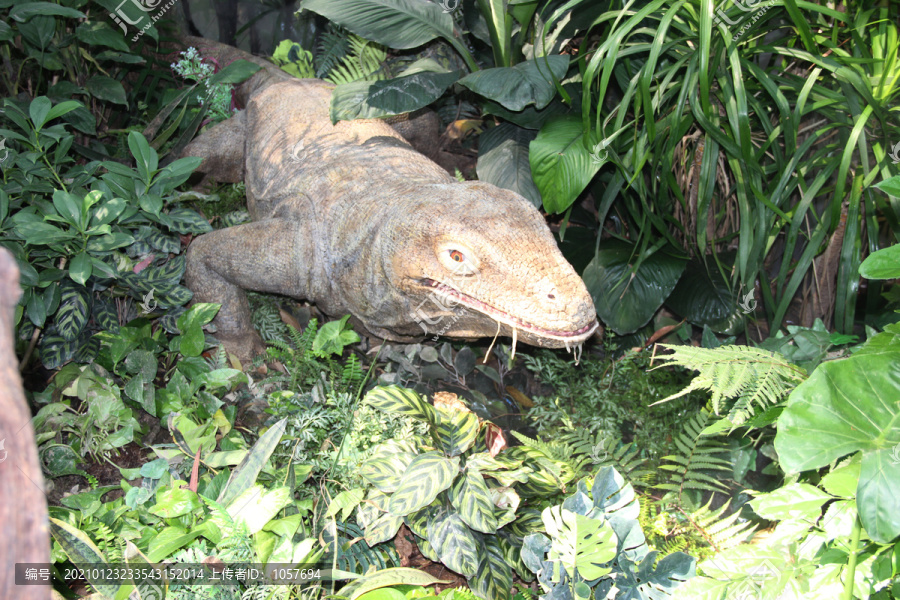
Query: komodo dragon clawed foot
(351, 217)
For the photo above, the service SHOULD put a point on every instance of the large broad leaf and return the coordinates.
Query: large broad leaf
(387, 464)
(884, 264)
(651, 580)
(848, 406)
(398, 24)
(703, 297)
(400, 400)
(470, 496)
(456, 430)
(106, 88)
(244, 476)
(503, 160)
(386, 577)
(427, 476)
(81, 551)
(529, 82)
(627, 298)
(579, 542)
(454, 543)
(560, 163)
(493, 580)
(420, 85)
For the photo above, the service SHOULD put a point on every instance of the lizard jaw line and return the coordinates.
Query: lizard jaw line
(503, 317)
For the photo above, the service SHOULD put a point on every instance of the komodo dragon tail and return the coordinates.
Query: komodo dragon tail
(421, 128)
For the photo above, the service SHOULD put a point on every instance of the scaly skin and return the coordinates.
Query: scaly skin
(351, 217)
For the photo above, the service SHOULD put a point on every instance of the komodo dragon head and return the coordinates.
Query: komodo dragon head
(482, 262)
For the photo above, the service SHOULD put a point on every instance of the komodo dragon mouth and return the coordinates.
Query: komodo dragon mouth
(569, 337)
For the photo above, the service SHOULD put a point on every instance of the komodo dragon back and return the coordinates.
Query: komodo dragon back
(351, 217)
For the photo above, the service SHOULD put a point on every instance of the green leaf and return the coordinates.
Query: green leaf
(185, 220)
(454, 543)
(74, 311)
(627, 294)
(704, 297)
(402, 401)
(795, 501)
(80, 268)
(98, 33)
(257, 506)
(387, 577)
(579, 542)
(383, 529)
(106, 88)
(493, 579)
(37, 233)
(374, 99)
(21, 12)
(145, 157)
(63, 108)
(398, 24)
(884, 264)
(560, 163)
(176, 502)
(190, 324)
(428, 475)
(503, 160)
(80, 550)
(847, 406)
(244, 476)
(333, 336)
(890, 186)
(470, 496)
(457, 430)
(237, 71)
(529, 82)
(389, 461)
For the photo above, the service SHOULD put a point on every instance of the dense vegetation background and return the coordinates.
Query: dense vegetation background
(723, 175)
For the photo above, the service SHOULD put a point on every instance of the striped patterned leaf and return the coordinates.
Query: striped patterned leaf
(528, 521)
(372, 508)
(418, 521)
(74, 310)
(454, 543)
(382, 529)
(427, 476)
(511, 547)
(403, 401)
(80, 550)
(493, 579)
(427, 550)
(471, 497)
(456, 430)
(388, 462)
(387, 577)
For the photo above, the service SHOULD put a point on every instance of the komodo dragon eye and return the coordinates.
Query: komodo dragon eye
(456, 258)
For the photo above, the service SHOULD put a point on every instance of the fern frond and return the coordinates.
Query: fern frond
(750, 376)
(363, 62)
(698, 453)
(554, 450)
(720, 532)
(605, 451)
(333, 46)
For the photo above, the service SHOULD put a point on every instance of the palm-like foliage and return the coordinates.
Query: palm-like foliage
(757, 131)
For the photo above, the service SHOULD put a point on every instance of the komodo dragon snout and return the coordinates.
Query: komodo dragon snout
(351, 217)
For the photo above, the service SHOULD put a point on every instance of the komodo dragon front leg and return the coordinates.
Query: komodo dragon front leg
(273, 255)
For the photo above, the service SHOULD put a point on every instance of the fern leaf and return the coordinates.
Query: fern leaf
(698, 453)
(751, 377)
(363, 62)
(720, 532)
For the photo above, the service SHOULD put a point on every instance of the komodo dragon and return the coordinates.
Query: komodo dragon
(351, 217)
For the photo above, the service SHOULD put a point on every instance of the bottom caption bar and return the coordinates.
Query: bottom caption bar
(176, 574)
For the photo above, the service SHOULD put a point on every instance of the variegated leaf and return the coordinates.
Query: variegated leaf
(427, 476)
(454, 543)
(427, 550)
(493, 579)
(418, 521)
(388, 462)
(402, 401)
(471, 497)
(382, 529)
(456, 430)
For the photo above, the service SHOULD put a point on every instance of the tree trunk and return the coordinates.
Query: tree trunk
(24, 531)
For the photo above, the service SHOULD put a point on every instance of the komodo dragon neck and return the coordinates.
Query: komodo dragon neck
(351, 217)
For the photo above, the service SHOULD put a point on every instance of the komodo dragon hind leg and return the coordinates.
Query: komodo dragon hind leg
(271, 255)
(222, 150)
